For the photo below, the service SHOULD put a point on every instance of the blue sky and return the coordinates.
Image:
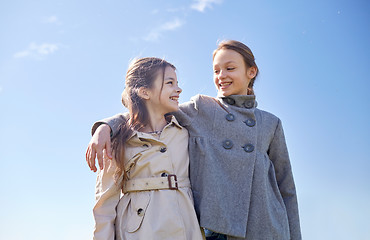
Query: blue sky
(62, 66)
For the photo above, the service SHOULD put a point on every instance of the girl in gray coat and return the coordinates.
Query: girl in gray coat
(240, 170)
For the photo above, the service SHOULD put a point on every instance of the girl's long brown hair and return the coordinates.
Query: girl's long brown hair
(246, 53)
(141, 73)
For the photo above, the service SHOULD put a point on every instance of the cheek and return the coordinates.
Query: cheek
(215, 80)
(241, 79)
(216, 84)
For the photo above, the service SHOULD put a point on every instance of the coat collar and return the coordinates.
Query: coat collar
(244, 101)
(171, 121)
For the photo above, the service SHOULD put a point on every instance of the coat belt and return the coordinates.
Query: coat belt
(171, 182)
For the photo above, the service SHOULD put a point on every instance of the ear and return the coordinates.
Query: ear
(252, 72)
(144, 93)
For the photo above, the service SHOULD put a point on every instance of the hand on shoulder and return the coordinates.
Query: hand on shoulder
(99, 143)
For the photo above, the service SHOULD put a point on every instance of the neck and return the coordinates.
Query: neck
(156, 121)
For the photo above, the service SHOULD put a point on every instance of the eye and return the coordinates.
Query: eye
(216, 71)
(170, 82)
(230, 68)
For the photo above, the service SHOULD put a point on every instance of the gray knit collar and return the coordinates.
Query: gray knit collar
(244, 101)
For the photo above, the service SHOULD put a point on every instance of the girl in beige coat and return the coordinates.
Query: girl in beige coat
(144, 192)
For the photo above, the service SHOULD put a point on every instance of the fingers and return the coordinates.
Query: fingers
(108, 149)
(100, 159)
(88, 157)
(92, 159)
(99, 143)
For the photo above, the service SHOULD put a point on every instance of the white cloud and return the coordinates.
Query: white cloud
(155, 11)
(152, 36)
(176, 10)
(22, 54)
(37, 51)
(52, 19)
(169, 26)
(201, 5)
(156, 33)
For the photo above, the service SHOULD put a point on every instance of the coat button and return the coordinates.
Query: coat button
(230, 101)
(163, 150)
(248, 147)
(248, 104)
(140, 212)
(250, 122)
(164, 174)
(230, 117)
(227, 144)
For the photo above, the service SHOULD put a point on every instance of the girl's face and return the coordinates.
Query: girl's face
(230, 74)
(167, 99)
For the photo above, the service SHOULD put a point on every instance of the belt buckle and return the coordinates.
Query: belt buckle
(175, 186)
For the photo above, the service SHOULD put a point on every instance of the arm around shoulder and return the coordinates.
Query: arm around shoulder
(102, 131)
(113, 122)
(190, 110)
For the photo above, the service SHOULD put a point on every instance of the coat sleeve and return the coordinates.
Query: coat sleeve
(188, 111)
(107, 195)
(113, 122)
(278, 154)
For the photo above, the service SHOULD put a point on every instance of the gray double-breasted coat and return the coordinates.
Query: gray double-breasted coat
(240, 170)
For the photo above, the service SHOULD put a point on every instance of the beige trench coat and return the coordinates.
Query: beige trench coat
(150, 162)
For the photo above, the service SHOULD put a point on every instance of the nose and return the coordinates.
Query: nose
(221, 74)
(178, 90)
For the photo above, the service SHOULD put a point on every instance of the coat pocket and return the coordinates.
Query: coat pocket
(276, 203)
(130, 213)
(139, 205)
(274, 191)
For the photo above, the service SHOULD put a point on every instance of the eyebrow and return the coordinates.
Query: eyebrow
(169, 78)
(231, 61)
(228, 62)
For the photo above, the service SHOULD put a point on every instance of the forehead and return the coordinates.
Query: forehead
(169, 73)
(225, 56)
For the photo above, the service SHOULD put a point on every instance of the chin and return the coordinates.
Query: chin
(223, 94)
(174, 109)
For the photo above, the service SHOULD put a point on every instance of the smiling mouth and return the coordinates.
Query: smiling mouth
(175, 98)
(224, 85)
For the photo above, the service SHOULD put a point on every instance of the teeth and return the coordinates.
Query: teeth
(225, 84)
